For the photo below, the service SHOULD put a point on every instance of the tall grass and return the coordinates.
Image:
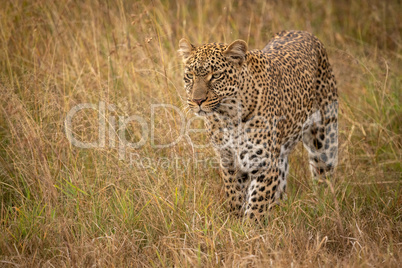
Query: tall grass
(163, 207)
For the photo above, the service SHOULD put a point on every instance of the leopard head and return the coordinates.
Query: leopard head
(212, 73)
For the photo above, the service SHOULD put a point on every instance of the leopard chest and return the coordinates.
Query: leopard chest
(242, 147)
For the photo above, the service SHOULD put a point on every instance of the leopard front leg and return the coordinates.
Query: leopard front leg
(235, 181)
(265, 190)
(236, 184)
(267, 179)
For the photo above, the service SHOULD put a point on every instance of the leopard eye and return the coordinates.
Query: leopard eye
(217, 75)
(189, 76)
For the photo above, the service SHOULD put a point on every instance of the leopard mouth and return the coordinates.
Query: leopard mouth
(203, 111)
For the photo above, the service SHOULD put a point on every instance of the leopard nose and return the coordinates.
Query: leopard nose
(199, 101)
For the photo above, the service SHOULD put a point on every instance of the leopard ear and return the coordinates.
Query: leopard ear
(185, 48)
(236, 51)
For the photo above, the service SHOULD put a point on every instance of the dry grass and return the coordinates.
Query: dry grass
(66, 206)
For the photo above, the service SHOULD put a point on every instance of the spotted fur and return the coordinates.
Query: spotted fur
(258, 104)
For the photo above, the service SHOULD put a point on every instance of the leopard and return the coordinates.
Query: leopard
(257, 105)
